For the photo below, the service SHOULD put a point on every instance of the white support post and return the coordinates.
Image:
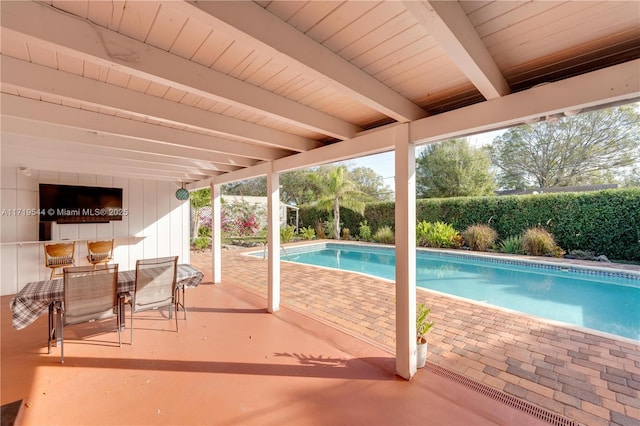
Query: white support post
(273, 239)
(216, 232)
(405, 219)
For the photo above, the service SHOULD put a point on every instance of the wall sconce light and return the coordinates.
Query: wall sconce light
(25, 171)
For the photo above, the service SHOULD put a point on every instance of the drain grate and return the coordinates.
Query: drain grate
(527, 407)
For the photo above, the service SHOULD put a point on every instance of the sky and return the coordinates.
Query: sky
(384, 164)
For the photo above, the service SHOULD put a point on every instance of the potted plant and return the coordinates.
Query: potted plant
(423, 325)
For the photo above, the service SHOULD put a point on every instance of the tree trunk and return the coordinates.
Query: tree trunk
(336, 219)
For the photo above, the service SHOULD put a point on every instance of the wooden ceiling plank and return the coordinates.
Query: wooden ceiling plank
(449, 25)
(46, 80)
(72, 117)
(44, 148)
(137, 19)
(122, 144)
(255, 26)
(166, 28)
(117, 51)
(619, 83)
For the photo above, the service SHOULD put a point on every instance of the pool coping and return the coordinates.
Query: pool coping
(560, 264)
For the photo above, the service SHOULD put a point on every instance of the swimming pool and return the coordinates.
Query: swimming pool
(601, 300)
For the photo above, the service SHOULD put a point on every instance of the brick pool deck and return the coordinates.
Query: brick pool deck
(588, 377)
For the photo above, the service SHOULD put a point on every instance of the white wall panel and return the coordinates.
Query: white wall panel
(9, 276)
(136, 219)
(150, 217)
(163, 222)
(157, 224)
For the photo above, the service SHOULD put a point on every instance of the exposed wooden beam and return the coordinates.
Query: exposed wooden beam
(20, 74)
(257, 27)
(606, 86)
(366, 144)
(85, 152)
(49, 28)
(46, 112)
(57, 161)
(122, 144)
(610, 85)
(449, 25)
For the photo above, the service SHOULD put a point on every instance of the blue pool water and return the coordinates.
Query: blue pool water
(604, 301)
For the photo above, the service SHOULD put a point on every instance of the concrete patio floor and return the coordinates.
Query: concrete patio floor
(325, 358)
(591, 378)
(231, 363)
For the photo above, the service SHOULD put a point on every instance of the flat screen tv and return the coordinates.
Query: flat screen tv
(79, 204)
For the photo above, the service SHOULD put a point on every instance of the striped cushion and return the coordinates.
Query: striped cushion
(96, 257)
(65, 260)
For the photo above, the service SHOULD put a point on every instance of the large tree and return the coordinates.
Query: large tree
(588, 148)
(453, 169)
(301, 187)
(256, 187)
(336, 191)
(370, 182)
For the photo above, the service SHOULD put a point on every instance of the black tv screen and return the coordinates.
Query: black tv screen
(79, 204)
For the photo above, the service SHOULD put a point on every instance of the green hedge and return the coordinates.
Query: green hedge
(604, 222)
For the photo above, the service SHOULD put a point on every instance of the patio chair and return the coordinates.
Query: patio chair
(59, 256)
(155, 286)
(89, 295)
(99, 252)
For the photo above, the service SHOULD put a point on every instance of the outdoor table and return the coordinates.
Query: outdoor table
(36, 297)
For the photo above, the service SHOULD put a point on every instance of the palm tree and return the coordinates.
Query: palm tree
(336, 190)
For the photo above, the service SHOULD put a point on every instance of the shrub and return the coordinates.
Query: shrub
(384, 235)
(204, 231)
(511, 245)
(286, 233)
(308, 233)
(438, 235)
(538, 241)
(604, 222)
(329, 230)
(480, 237)
(320, 230)
(364, 231)
(345, 233)
(201, 243)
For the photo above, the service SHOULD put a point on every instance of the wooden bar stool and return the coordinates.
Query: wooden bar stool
(99, 252)
(59, 256)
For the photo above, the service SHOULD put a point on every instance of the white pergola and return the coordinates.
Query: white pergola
(207, 93)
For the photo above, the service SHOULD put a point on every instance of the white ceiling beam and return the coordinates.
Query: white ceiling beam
(449, 25)
(615, 84)
(22, 74)
(124, 145)
(29, 109)
(265, 32)
(366, 144)
(51, 29)
(606, 86)
(61, 162)
(248, 173)
(102, 163)
(146, 160)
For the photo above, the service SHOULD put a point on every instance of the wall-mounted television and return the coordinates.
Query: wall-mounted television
(79, 204)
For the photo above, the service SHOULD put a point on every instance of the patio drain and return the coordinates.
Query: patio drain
(527, 407)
